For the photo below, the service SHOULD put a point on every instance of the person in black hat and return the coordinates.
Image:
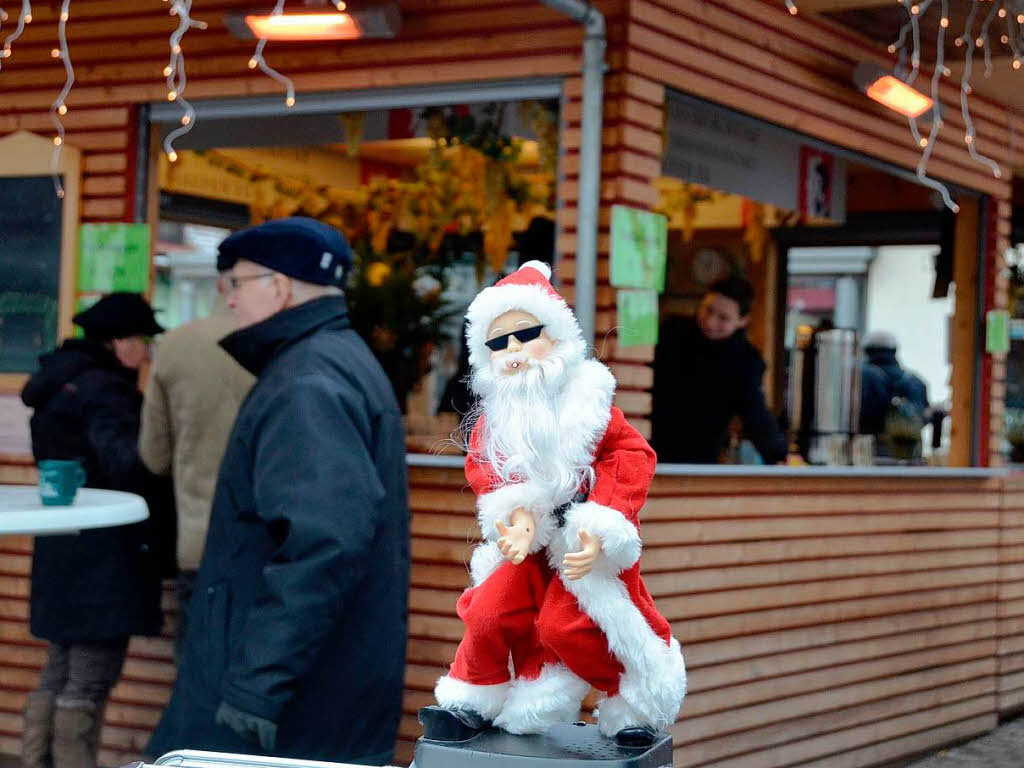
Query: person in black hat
(296, 639)
(91, 591)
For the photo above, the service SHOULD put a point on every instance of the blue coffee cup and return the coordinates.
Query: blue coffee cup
(59, 481)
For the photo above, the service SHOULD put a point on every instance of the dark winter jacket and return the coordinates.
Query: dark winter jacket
(299, 612)
(882, 379)
(699, 387)
(102, 583)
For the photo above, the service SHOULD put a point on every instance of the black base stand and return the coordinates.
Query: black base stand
(566, 745)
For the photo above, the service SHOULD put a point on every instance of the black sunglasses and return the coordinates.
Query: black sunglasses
(524, 335)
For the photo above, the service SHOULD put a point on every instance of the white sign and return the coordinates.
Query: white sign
(724, 150)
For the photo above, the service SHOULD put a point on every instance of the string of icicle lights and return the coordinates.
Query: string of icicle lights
(175, 76)
(257, 60)
(58, 109)
(25, 17)
(989, 24)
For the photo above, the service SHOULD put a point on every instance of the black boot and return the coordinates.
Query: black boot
(636, 736)
(440, 724)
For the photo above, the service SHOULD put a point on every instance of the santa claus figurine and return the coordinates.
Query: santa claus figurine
(557, 603)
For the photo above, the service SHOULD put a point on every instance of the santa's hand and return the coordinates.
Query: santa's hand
(576, 565)
(514, 542)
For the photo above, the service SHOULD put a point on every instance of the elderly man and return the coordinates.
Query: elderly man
(296, 642)
(560, 478)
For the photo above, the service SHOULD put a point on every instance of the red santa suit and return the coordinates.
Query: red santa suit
(536, 641)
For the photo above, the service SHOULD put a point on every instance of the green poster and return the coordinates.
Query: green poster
(113, 257)
(638, 317)
(997, 332)
(639, 241)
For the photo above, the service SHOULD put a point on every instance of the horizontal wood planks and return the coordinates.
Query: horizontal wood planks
(824, 621)
(840, 623)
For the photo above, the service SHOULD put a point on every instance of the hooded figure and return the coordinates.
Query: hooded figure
(560, 478)
(91, 591)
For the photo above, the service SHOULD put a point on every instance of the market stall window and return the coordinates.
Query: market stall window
(436, 203)
(808, 307)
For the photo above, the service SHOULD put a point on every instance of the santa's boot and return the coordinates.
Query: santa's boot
(554, 696)
(37, 730)
(617, 719)
(76, 734)
(464, 709)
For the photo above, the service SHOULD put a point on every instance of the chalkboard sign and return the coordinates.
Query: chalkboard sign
(30, 265)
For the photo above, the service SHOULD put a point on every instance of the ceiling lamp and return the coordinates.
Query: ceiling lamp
(379, 20)
(889, 91)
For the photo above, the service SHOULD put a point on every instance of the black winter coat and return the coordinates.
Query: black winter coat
(299, 611)
(699, 387)
(103, 583)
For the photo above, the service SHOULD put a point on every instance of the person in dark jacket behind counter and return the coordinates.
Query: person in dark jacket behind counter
(296, 637)
(92, 590)
(706, 373)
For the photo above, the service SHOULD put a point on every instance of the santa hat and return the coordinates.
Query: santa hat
(528, 289)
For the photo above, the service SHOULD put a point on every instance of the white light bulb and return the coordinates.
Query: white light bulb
(968, 139)
(915, 9)
(172, 156)
(290, 101)
(892, 48)
(1004, 39)
(167, 71)
(55, 53)
(176, 50)
(944, 23)
(172, 95)
(64, 16)
(1002, 13)
(62, 110)
(185, 119)
(253, 63)
(923, 142)
(1016, 63)
(28, 18)
(340, 5)
(980, 42)
(60, 193)
(57, 140)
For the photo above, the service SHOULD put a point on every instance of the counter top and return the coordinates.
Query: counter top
(755, 470)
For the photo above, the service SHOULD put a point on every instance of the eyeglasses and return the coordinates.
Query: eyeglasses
(233, 282)
(524, 335)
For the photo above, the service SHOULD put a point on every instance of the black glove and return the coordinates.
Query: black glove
(258, 730)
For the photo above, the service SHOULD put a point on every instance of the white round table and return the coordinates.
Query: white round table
(21, 511)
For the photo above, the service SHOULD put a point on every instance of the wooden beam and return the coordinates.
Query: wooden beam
(964, 341)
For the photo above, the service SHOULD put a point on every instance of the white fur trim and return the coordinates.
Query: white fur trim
(485, 560)
(614, 714)
(502, 501)
(552, 697)
(540, 266)
(620, 539)
(485, 700)
(654, 682)
(558, 319)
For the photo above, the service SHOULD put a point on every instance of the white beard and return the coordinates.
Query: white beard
(522, 434)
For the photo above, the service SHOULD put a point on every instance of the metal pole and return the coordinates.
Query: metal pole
(590, 156)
